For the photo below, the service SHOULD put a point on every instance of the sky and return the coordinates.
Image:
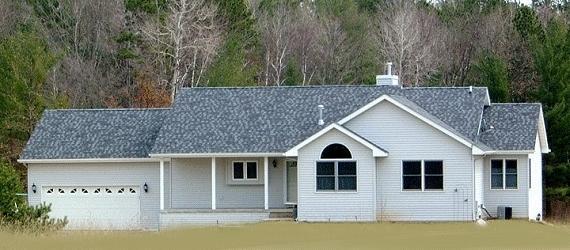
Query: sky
(527, 2)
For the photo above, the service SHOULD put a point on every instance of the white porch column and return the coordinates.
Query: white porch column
(161, 184)
(266, 181)
(213, 183)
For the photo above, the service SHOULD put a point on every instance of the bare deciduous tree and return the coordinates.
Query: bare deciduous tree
(306, 35)
(411, 39)
(84, 33)
(189, 39)
(276, 29)
(335, 51)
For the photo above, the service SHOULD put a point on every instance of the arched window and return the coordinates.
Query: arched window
(336, 151)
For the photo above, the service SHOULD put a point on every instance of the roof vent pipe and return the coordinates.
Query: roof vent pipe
(470, 89)
(321, 121)
(388, 79)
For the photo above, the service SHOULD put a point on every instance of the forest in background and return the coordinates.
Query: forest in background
(138, 53)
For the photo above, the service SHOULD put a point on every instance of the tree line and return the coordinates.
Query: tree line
(139, 53)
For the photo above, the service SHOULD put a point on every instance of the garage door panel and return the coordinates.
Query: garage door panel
(95, 207)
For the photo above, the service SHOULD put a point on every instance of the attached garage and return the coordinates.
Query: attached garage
(95, 207)
(98, 195)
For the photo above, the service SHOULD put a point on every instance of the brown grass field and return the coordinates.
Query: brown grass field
(290, 235)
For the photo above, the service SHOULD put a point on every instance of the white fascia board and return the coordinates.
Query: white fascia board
(477, 151)
(376, 152)
(410, 111)
(509, 152)
(208, 155)
(87, 160)
(544, 148)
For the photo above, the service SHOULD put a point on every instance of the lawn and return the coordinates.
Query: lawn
(290, 235)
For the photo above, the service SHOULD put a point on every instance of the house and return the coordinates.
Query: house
(336, 153)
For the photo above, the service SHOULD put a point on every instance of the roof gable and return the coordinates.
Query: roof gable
(376, 150)
(415, 111)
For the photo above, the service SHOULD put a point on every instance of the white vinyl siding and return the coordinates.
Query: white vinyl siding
(191, 185)
(516, 198)
(535, 193)
(335, 206)
(102, 174)
(406, 137)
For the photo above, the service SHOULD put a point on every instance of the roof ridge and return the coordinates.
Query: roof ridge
(516, 103)
(445, 87)
(336, 85)
(295, 86)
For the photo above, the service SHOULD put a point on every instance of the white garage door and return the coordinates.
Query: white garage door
(95, 207)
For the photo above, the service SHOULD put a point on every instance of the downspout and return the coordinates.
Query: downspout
(474, 208)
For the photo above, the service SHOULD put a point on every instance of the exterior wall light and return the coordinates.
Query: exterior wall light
(274, 163)
(145, 187)
(34, 189)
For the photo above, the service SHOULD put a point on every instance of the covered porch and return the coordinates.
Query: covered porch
(226, 189)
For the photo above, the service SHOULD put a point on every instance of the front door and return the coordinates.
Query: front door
(292, 182)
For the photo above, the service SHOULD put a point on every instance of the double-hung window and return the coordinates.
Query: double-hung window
(244, 170)
(336, 176)
(334, 173)
(422, 175)
(504, 174)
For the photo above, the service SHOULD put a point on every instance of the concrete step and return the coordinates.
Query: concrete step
(279, 219)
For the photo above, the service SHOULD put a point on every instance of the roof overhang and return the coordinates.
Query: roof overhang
(208, 155)
(402, 106)
(376, 151)
(87, 160)
(502, 152)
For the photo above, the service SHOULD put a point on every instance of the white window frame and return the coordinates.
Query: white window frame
(422, 177)
(335, 162)
(504, 160)
(245, 178)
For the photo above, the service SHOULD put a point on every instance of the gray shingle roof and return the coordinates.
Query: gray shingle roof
(274, 119)
(266, 120)
(510, 126)
(77, 134)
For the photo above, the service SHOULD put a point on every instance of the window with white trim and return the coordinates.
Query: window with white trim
(336, 176)
(422, 175)
(244, 170)
(335, 173)
(504, 174)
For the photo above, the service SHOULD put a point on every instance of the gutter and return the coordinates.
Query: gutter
(87, 160)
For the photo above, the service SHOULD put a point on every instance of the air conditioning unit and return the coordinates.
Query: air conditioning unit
(504, 213)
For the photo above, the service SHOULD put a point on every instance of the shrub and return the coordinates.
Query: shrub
(15, 214)
(32, 219)
(10, 186)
